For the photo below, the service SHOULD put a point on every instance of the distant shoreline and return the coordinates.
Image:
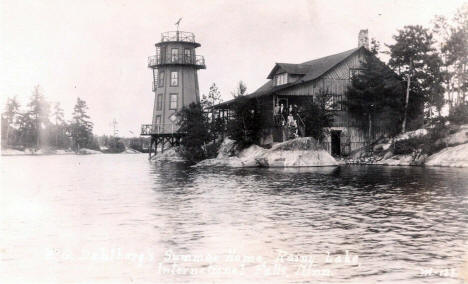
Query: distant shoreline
(84, 151)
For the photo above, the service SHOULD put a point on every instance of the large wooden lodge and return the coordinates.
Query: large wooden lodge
(290, 84)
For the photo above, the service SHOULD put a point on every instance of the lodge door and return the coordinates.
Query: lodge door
(336, 142)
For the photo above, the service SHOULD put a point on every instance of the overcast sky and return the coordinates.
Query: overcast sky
(98, 49)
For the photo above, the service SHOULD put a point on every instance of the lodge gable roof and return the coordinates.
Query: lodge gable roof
(308, 71)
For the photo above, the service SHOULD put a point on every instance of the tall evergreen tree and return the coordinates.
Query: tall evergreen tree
(39, 111)
(375, 93)
(81, 126)
(414, 57)
(216, 124)
(453, 42)
(240, 90)
(194, 124)
(10, 117)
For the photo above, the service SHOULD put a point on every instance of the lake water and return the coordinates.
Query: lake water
(120, 218)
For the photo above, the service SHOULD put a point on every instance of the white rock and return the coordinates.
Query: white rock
(300, 152)
(86, 151)
(450, 157)
(226, 149)
(457, 138)
(12, 152)
(297, 158)
(170, 154)
(411, 134)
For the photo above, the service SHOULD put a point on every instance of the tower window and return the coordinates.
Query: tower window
(161, 79)
(174, 78)
(173, 101)
(155, 79)
(158, 54)
(159, 102)
(175, 54)
(188, 56)
(281, 79)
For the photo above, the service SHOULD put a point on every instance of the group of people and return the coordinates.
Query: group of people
(287, 116)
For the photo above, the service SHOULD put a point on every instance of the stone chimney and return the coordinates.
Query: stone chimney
(363, 39)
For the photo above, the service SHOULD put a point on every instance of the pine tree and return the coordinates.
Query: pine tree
(216, 125)
(414, 58)
(81, 126)
(10, 117)
(375, 93)
(60, 140)
(39, 111)
(241, 90)
(453, 42)
(194, 124)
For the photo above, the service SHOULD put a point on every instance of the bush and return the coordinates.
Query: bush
(115, 146)
(428, 144)
(408, 146)
(194, 124)
(245, 127)
(316, 117)
(459, 114)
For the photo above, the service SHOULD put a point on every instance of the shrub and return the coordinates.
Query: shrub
(316, 117)
(245, 127)
(194, 123)
(408, 146)
(459, 114)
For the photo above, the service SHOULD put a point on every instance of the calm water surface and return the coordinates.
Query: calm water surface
(121, 218)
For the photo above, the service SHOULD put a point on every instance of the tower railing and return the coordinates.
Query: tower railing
(197, 60)
(178, 36)
(162, 128)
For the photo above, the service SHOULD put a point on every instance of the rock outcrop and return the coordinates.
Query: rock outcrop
(300, 152)
(170, 154)
(450, 157)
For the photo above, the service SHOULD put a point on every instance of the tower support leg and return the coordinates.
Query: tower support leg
(150, 148)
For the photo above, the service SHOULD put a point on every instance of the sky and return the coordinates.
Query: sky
(97, 50)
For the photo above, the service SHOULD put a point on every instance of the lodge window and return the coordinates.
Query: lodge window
(173, 101)
(158, 119)
(159, 102)
(354, 72)
(281, 79)
(174, 78)
(175, 54)
(161, 79)
(188, 56)
(334, 103)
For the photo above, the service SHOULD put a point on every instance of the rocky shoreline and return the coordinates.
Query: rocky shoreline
(453, 151)
(307, 152)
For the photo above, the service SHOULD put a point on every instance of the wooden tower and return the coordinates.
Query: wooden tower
(175, 84)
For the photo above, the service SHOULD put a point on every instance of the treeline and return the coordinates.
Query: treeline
(430, 65)
(41, 125)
